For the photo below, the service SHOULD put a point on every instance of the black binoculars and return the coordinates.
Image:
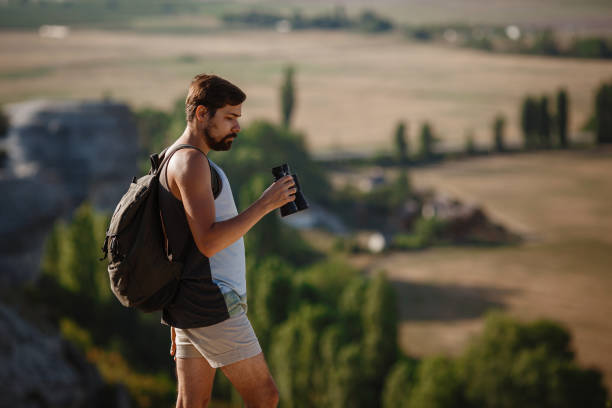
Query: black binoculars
(300, 202)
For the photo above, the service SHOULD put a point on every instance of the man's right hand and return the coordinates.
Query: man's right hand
(279, 193)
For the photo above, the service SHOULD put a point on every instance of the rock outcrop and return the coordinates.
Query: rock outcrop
(42, 370)
(58, 155)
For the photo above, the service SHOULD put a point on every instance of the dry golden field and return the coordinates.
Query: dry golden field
(562, 203)
(352, 89)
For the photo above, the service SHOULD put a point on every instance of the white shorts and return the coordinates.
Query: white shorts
(221, 344)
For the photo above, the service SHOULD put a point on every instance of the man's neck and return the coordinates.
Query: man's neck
(190, 137)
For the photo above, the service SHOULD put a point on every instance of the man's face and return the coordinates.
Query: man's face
(221, 129)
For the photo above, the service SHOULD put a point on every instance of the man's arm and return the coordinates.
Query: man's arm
(190, 178)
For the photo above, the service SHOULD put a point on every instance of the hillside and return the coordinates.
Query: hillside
(560, 202)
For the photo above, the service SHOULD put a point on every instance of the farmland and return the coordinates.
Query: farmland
(560, 202)
(352, 88)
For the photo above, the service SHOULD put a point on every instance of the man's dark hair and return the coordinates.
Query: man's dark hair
(212, 92)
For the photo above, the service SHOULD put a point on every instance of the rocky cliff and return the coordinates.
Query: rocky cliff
(59, 154)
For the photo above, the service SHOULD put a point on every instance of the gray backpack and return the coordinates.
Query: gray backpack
(142, 273)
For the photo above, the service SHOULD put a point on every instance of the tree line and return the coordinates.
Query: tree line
(491, 38)
(366, 21)
(511, 39)
(544, 125)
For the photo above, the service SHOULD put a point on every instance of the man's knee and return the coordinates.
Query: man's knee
(269, 395)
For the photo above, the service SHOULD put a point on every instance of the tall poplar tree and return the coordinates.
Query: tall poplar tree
(271, 296)
(529, 122)
(295, 358)
(603, 114)
(562, 117)
(399, 384)
(401, 143)
(379, 315)
(427, 142)
(544, 122)
(498, 133)
(346, 388)
(287, 97)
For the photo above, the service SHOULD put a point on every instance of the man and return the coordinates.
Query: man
(208, 319)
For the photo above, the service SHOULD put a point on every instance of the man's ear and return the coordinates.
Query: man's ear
(201, 112)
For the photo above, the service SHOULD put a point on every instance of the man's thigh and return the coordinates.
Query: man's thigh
(252, 378)
(195, 380)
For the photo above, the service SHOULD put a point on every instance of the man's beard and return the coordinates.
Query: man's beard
(218, 145)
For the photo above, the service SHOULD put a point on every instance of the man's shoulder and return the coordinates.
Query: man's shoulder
(187, 161)
(187, 168)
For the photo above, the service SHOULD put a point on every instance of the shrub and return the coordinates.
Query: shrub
(529, 365)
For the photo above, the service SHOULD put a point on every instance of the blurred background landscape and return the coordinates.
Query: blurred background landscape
(456, 155)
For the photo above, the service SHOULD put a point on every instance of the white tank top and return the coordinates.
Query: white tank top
(228, 266)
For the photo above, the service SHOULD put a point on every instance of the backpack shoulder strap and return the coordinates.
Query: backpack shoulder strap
(155, 161)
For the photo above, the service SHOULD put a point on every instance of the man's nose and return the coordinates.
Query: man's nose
(236, 128)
